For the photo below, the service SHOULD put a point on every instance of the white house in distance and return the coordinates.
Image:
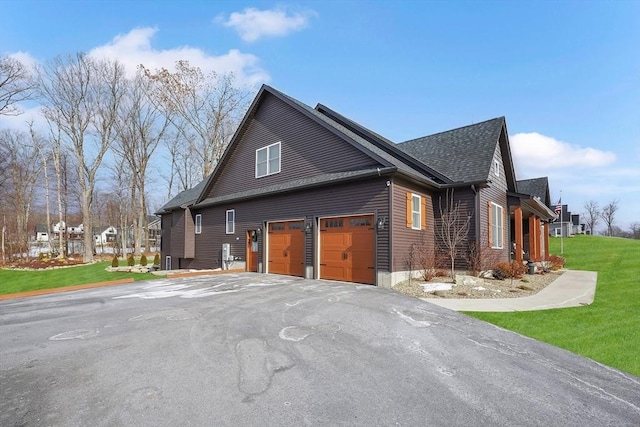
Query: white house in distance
(104, 235)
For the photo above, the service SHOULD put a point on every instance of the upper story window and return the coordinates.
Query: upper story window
(496, 168)
(416, 212)
(268, 160)
(198, 223)
(231, 221)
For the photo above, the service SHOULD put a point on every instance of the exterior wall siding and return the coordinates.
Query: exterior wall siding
(404, 237)
(165, 242)
(465, 198)
(360, 197)
(496, 193)
(307, 149)
(177, 235)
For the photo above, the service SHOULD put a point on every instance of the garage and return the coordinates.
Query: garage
(347, 249)
(286, 248)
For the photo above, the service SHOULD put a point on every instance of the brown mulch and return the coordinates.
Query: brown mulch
(516, 288)
(41, 264)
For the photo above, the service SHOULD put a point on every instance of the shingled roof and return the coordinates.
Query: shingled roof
(537, 187)
(464, 154)
(186, 197)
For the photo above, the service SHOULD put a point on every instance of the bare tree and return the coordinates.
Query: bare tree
(24, 170)
(634, 229)
(16, 85)
(591, 215)
(452, 228)
(140, 126)
(608, 215)
(204, 109)
(81, 98)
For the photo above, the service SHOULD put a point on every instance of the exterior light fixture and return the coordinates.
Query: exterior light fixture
(308, 227)
(381, 222)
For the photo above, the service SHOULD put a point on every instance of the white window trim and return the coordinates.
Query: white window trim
(500, 217)
(198, 224)
(496, 167)
(167, 263)
(279, 160)
(233, 221)
(419, 212)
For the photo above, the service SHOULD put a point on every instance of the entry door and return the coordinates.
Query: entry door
(347, 249)
(286, 248)
(252, 250)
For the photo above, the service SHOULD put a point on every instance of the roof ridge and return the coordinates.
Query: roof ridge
(454, 129)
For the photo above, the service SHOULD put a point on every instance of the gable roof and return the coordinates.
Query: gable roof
(449, 152)
(537, 187)
(386, 159)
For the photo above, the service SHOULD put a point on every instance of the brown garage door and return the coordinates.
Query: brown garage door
(347, 249)
(286, 248)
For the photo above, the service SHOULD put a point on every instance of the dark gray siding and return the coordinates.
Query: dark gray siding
(307, 149)
(360, 197)
(165, 242)
(496, 193)
(403, 236)
(177, 234)
(465, 200)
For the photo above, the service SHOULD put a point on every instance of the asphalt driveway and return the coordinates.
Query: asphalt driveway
(250, 349)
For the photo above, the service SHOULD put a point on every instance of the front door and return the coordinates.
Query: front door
(252, 250)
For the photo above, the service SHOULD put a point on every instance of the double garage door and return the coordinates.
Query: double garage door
(346, 249)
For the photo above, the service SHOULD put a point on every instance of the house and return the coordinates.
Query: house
(567, 224)
(105, 235)
(307, 192)
(42, 233)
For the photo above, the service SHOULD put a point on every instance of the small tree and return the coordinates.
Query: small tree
(608, 215)
(591, 215)
(131, 261)
(452, 229)
(143, 260)
(156, 259)
(114, 261)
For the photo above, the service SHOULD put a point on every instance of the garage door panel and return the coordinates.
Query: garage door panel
(286, 248)
(347, 249)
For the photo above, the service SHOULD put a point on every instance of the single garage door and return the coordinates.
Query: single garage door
(347, 249)
(286, 248)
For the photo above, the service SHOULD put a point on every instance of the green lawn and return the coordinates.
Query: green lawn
(607, 331)
(12, 281)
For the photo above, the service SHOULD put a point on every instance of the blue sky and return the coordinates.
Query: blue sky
(565, 74)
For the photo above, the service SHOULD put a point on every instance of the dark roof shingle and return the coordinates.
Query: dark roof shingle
(464, 154)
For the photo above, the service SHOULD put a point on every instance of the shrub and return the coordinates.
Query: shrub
(41, 256)
(143, 260)
(156, 259)
(557, 262)
(114, 261)
(131, 261)
(509, 270)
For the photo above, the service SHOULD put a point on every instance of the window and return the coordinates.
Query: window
(416, 213)
(268, 160)
(231, 221)
(497, 226)
(496, 167)
(198, 223)
(167, 263)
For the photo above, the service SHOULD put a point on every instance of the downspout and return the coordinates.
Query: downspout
(476, 196)
(390, 243)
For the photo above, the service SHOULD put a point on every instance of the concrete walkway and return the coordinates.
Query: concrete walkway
(573, 289)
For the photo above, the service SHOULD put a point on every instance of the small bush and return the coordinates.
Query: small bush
(557, 262)
(143, 260)
(114, 261)
(131, 261)
(41, 256)
(156, 259)
(509, 270)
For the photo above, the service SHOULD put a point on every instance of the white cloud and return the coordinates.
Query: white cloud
(253, 24)
(134, 48)
(536, 151)
(25, 58)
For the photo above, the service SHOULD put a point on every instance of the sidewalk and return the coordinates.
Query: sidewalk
(573, 289)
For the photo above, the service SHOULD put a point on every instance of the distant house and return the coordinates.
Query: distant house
(567, 224)
(104, 235)
(42, 233)
(307, 192)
